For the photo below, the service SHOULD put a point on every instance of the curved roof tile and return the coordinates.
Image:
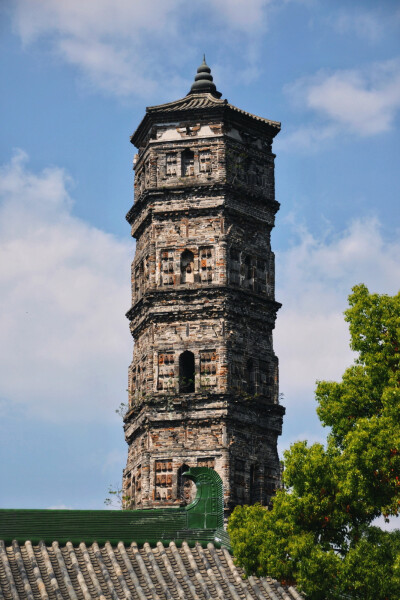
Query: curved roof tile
(204, 100)
(128, 572)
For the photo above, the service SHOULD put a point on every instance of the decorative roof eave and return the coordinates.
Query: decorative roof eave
(200, 189)
(204, 102)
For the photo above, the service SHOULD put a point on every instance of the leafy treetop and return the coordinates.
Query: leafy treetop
(318, 533)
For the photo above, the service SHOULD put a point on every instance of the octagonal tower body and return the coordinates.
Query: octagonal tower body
(203, 383)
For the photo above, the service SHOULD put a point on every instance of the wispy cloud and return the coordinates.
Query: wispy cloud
(361, 102)
(369, 25)
(315, 276)
(63, 285)
(130, 48)
(365, 25)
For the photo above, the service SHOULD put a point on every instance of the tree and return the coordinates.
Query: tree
(116, 498)
(318, 533)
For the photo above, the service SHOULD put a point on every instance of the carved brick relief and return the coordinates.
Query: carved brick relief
(250, 271)
(206, 266)
(208, 368)
(167, 267)
(171, 169)
(166, 371)
(163, 480)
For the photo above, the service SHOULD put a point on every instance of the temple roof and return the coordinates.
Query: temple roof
(202, 97)
(205, 100)
(116, 572)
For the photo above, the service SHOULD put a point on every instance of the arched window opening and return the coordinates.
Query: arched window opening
(187, 163)
(186, 372)
(187, 267)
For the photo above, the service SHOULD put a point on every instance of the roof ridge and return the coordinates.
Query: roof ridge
(189, 99)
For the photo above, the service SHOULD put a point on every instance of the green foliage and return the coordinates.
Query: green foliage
(122, 409)
(318, 534)
(116, 499)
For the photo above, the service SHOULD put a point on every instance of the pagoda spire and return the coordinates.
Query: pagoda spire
(203, 81)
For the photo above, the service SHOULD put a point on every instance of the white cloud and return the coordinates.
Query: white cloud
(243, 15)
(64, 288)
(367, 25)
(315, 276)
(363, 102)
(121, 47)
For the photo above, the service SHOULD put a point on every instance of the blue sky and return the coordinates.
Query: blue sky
(76, 79)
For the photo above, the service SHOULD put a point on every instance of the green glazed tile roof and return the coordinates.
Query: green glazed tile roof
(202, 520)
(172, 553)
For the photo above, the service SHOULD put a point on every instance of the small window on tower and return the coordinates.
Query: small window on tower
(171, 164)
(249, 271)
(206, 462)
(163, 479)
(187, 163)
(261, 276)
(264, 378)
(186, 372)
(206, 264)
(166, 372)
(187, 267)
(205, 161)
(208, 368)
(167, 267)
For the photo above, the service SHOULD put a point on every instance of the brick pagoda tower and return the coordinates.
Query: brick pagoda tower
(203, 383)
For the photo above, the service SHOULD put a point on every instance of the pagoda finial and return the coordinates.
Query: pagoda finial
(203, 81)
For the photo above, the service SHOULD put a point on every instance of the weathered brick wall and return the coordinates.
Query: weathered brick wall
(203, 382)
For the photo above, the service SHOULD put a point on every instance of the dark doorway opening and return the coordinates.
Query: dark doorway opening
(186, 372)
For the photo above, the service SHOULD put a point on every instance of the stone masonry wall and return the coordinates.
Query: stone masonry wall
(203, 382)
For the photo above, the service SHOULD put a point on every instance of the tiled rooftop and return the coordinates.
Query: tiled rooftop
(205, 100)
(128, 572)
